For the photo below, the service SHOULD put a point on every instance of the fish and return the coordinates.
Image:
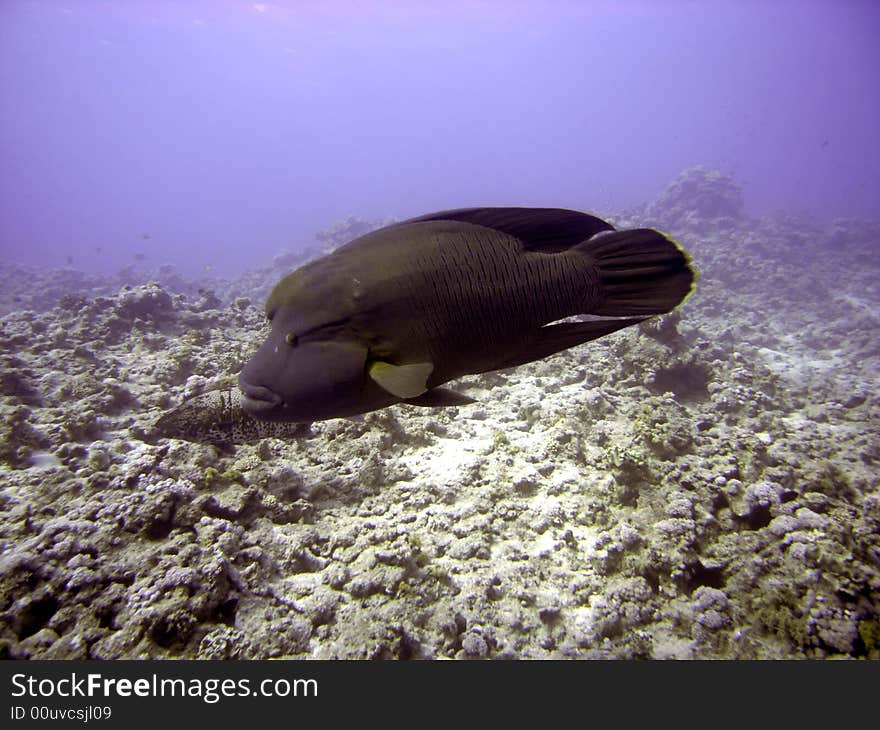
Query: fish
(215, 416)
(393, 315)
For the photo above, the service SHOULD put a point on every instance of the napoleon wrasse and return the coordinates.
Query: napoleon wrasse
(394, 314)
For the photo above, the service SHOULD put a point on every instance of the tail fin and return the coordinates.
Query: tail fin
(642, 272)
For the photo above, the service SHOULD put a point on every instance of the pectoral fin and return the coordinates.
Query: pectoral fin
(440, 398)
(404, 381)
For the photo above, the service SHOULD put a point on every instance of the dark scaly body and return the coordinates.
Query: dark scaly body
(460, 296)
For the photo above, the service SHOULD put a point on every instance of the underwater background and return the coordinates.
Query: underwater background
(704, 485)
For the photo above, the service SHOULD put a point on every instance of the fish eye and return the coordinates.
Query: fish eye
(291, 339)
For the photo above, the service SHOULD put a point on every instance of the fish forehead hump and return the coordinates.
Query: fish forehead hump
(314, 294)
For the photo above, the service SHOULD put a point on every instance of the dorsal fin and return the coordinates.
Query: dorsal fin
(547, 230)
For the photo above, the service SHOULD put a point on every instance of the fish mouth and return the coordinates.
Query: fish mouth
(258, 401)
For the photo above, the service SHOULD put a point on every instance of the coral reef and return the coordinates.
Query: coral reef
(703, 486)
(698, 196)
(346, 230)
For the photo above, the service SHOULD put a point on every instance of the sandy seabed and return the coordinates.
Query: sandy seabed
(702, 486)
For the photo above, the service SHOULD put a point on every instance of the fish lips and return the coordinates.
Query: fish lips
(258, 401)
